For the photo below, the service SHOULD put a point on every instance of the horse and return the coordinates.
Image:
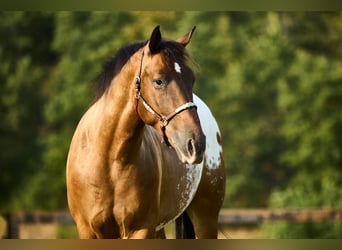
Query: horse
(148, 151)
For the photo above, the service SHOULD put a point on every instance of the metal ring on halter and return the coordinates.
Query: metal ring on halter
(164, 122)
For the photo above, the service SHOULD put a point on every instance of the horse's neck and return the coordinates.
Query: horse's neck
(120, 128)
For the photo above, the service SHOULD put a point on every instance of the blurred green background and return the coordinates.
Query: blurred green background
(273, 80)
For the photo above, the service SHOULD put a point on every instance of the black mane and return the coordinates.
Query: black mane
(170, 50)
(113, 66)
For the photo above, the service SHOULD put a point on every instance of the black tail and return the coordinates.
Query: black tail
(184, 227)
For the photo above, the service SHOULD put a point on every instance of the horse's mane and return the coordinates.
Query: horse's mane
(113, 66)
(170, 50)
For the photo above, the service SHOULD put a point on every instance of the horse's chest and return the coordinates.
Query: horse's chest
(178, 188)
(188, 184)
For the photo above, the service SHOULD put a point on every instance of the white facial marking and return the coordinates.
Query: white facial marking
(178, 68)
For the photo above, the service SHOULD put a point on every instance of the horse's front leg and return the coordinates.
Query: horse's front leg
(135, 223)
(144, 233)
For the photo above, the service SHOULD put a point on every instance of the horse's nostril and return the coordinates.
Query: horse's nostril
(190, 147)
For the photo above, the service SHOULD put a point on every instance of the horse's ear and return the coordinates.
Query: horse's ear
(186, 38)
(154, 41)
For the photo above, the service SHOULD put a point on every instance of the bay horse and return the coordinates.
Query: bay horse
(147, 152)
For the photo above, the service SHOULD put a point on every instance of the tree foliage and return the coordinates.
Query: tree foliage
(272, 80)
(26, 59)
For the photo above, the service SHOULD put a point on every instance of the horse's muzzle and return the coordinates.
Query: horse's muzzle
(192, 151)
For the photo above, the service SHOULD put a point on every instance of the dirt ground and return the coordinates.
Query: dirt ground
(53, 231)
(3, 226)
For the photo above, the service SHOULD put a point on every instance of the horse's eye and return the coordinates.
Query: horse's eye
(158, 82)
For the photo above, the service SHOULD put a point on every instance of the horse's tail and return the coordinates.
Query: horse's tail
(184, 227)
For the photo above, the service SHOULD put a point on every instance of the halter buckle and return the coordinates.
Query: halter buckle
(137, 87)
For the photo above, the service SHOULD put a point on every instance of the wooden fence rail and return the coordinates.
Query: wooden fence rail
(256, 216)
(226, 217)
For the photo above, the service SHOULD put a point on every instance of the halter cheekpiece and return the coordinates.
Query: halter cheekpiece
(164, 120)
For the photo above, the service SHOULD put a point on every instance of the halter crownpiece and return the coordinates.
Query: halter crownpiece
(164, 120)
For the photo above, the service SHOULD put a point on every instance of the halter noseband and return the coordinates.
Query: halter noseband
(164, 120)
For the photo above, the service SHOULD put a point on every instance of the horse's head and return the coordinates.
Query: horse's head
(164, 95)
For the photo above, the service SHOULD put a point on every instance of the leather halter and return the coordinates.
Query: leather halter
(164, 120)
